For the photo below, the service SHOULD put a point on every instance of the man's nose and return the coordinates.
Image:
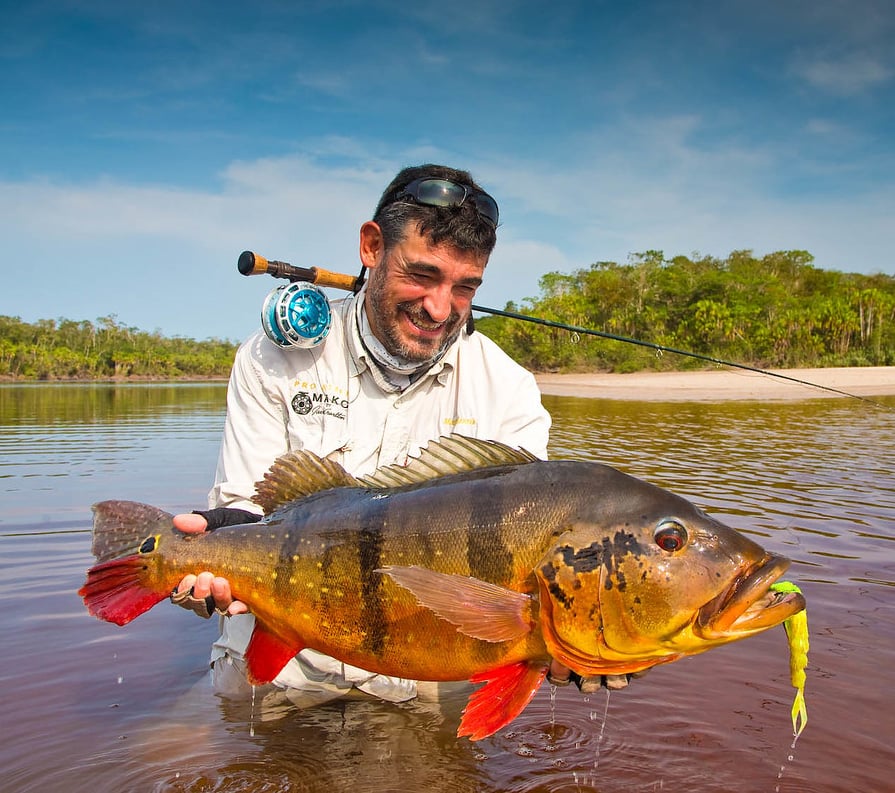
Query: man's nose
(437, 303)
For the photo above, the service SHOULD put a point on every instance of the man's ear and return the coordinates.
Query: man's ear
(371, 244)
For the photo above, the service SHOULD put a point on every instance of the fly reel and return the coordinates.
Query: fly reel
(296, 315)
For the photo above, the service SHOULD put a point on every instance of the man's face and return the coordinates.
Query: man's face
(419, 296)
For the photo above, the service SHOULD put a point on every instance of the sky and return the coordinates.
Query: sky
(143, 146)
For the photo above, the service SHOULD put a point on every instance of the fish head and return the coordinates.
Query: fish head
(647, 577)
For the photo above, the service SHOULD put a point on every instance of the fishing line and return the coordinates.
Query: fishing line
(45, 533)
(661, 348)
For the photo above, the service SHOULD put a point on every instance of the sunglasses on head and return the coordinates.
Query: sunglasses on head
(444, 193)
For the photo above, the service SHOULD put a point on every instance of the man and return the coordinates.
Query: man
(398, 369)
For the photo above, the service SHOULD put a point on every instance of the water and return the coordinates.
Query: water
(93, 707)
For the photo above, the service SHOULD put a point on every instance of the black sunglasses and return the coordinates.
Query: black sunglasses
(444, 193)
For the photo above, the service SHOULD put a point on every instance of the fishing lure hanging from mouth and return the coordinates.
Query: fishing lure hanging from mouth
(796, 628)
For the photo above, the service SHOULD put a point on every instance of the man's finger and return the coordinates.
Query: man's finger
(194, 594)
(204, 607)
(615, 682)
(190, 523)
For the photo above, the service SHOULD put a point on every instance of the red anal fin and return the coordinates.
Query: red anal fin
(478, 608)
(267, 654)
(116, 591)
(505, 695)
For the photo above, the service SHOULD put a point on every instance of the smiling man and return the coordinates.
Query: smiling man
(399, 368)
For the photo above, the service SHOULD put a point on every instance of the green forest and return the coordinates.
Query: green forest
(64, 349)
(777, 310)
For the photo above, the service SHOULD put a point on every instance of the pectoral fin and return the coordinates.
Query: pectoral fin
(503, 697)
(266, 655)
(479, 609)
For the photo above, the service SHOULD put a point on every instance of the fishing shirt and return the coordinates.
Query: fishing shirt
(327, 400)
(332, 401)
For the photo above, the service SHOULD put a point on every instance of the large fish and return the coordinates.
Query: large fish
(476, 561)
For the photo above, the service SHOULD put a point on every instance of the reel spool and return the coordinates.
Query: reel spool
(296, 315)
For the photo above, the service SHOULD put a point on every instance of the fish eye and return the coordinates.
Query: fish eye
(670, 536)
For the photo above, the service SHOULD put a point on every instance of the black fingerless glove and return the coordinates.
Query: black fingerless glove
(226, 516)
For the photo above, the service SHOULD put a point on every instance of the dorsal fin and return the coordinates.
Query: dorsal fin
(450, 454)
(297, 475)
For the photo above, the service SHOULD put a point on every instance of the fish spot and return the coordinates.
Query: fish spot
(557, 591)
(549, 571)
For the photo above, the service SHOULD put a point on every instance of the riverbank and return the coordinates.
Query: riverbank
(723, 384)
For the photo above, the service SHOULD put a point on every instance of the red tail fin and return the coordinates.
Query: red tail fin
(505, 695)
(115, 591)
(125, 535)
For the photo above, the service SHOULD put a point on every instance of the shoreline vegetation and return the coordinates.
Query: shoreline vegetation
(774, 313)
(777, 311)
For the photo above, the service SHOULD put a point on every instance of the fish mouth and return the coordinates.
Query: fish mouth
(748, 605)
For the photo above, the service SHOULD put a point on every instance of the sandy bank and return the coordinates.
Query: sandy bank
(727, 384)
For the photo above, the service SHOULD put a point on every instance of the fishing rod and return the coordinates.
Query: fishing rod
(295, 316)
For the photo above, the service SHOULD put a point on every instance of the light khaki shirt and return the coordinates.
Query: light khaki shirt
(326, 400)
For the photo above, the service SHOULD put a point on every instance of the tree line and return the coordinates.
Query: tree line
(64, 349)
(777, 310)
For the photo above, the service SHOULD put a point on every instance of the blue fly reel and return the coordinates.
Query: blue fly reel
(296, 315)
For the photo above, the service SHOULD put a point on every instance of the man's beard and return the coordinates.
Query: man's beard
(391, 338)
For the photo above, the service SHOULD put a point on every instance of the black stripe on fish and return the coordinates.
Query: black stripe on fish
(487, 555)
(369, 552)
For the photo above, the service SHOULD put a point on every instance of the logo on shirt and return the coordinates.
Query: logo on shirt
(301, 403)
(315, 403)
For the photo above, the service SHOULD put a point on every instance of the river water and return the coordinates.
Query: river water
(93, 707)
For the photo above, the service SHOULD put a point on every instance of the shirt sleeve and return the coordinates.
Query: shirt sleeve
(255, 434)
(507, 398)
(526, 424)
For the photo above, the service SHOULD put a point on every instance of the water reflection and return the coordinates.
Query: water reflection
(66, 446)
(130, 709)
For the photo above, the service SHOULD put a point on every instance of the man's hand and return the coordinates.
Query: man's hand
(560, 675)
(194, 591)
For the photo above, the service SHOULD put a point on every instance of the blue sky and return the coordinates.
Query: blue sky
(145, 145)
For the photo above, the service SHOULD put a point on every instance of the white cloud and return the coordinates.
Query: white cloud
(846, 76)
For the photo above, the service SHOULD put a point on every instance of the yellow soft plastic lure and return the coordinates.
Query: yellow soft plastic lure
(796, 628)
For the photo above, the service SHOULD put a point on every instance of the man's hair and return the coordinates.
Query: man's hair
(461, 227)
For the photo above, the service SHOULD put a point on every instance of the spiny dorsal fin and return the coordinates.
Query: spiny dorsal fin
(450, 454)
(297, 475)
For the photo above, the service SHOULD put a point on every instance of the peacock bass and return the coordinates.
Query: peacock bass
(476, 561)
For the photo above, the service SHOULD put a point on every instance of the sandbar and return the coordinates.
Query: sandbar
(717, 385)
